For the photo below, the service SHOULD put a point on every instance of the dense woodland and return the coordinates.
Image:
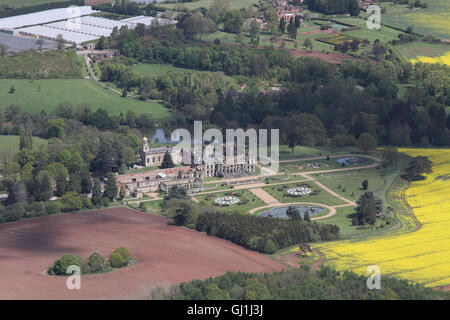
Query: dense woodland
(325, 101)
(334, 6)
(75, 162)
(296, 284)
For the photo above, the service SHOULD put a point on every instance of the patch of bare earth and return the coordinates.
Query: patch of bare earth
(167, 254)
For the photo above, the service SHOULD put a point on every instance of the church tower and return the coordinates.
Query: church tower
(144, 149)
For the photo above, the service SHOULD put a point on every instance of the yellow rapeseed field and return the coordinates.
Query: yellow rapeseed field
(421, 256)
(444, 59)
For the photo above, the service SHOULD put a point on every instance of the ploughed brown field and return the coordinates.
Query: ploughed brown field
(167, 254)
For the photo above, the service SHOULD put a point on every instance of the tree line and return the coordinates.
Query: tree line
(296, 284)
(263, 234)
(334, 6)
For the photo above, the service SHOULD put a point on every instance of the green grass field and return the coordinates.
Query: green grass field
(316, 165)
(26, 3)
(324, 197)
(9, 146)
(385, 34)
(433, 20)
(415, 49)
(33, 96)
(286, 153)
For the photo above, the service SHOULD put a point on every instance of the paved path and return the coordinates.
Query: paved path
(264, 196)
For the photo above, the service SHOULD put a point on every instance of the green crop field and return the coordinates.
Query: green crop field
(9, 146)
(33, 96)
(433, 20)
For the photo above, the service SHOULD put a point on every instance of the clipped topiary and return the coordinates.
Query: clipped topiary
(61, 265)
(116, 260)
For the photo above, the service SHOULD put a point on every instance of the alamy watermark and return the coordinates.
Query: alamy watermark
(208, 147)
(74, 280)
(374, 279)
(374, 20)
(74, 21)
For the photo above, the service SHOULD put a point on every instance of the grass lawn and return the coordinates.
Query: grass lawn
(283, 178)
(26, 3)
(299, 152)
(415, 49)
(33, 96)
(433, 20)
(324, 197)
(9, 146)
(253, 201)
(350, 181)
(153, 206)
(302, 166)
(385, 34)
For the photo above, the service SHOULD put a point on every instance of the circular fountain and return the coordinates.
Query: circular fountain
(299, 191)
(227, 200)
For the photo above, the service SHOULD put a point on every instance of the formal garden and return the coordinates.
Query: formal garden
(317, 194)
(233, 200)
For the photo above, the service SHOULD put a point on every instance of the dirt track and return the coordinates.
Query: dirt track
(166, 254)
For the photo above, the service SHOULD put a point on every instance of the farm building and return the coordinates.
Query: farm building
(147, 21)
(78, 30)
(46, 16)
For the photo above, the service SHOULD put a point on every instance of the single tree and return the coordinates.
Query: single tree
(307, 44)
(293, 213)
(96, 193)
(365, 184)
(60, 41)
(39, 43)
(306, 217)
(167, 161)
(292, 29)
(366, 142)
(282, 26)
(110, 187)
(122, 192)
(3, 50)
(61, 184)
